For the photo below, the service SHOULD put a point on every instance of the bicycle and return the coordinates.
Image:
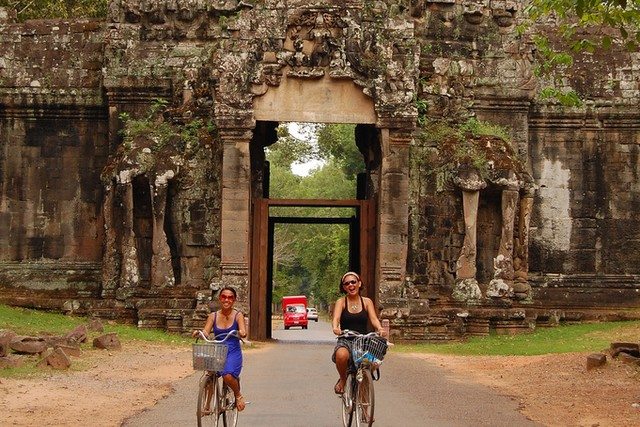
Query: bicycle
(367, 352)
(215, 397)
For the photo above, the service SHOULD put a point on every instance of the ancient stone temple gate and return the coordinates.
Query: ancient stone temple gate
(132, 163)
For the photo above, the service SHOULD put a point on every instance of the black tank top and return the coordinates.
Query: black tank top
(358, 322)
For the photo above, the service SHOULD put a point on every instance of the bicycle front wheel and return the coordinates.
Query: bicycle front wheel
(207, 411)
(347, 400)
(365, 399)
(228, 406)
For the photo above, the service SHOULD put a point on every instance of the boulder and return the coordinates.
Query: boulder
(70, 349)
(5, 340)
(628, 358)
(95, 325)
(108, 342)
(79, 334)
(595, 360)
(56, 358)
(626, 347)
(11, 361)
(28, 345)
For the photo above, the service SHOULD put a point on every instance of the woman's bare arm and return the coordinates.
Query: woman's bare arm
(337, 312)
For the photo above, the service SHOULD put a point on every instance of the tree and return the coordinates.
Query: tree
(309, 258)
(581, 26)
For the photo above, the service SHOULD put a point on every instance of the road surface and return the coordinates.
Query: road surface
(290, 383)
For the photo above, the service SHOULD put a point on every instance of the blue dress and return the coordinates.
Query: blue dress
(233, 365)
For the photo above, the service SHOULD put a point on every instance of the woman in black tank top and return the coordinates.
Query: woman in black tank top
(355, 313)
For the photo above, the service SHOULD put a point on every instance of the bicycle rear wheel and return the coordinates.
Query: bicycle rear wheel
(207, 411)
(365, 399)
(228, 405)
(347, 400)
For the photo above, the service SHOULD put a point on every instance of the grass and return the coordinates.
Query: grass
(583, 337)
(33, 322)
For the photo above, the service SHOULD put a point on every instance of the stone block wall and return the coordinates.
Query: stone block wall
(64, 85)
(53, 146)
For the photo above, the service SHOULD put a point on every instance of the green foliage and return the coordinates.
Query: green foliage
(471, 145)
(310, 258)
(162, 132)
(43, 9)
(337, 143)
(561, 339)
(583, 26)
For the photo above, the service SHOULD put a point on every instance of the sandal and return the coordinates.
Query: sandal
(338, 388)
(240, 403)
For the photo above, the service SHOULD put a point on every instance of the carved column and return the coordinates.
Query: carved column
(502, 283)
(466, 283)
(521, 287)
(110, 260)
(393, 212)
(236, 201)
(130, 271)
(161, 268)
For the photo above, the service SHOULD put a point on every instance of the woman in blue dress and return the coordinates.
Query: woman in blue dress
(218, 324)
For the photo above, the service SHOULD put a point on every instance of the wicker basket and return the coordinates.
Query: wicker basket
(209, 356)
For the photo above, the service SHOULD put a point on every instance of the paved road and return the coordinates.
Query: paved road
(290, 383)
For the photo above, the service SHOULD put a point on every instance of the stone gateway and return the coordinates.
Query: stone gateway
(133, 180)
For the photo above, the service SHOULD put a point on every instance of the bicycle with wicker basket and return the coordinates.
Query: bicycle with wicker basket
(215, 398)
(358, 399)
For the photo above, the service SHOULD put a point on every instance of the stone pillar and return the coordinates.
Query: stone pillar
(393, 211)
(521, 287)
(466, 287)
(236, 201)
(161, 268)
(110, 259)
(130, 271)
(502, 283)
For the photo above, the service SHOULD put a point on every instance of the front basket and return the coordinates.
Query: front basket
(209, 356)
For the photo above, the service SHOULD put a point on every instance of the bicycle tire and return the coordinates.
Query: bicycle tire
(348, 401)
(207, 392)
(228, 405)
(365, 399)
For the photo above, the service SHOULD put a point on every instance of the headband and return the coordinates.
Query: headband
(349, 273)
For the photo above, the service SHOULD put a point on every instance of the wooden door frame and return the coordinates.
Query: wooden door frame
(262, 247)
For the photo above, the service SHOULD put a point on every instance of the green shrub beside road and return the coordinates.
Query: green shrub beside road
(560, 339)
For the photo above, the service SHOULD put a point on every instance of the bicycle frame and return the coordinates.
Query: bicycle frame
(215, 397)
(359, 398)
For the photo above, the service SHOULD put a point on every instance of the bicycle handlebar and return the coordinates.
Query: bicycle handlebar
(215, 339)
(346, 333)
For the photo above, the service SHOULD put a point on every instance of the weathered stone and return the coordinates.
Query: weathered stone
(108, 341)
(627, 347)
(70, 349)
(625, 357)
(467, 290)
(78, 334)
(595, 360)
(11, 361)
(5, 340)
(56, 358)
(28, 345)
(177, 212)
(95, 325)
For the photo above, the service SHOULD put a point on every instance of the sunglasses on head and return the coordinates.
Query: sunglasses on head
(349, 282)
